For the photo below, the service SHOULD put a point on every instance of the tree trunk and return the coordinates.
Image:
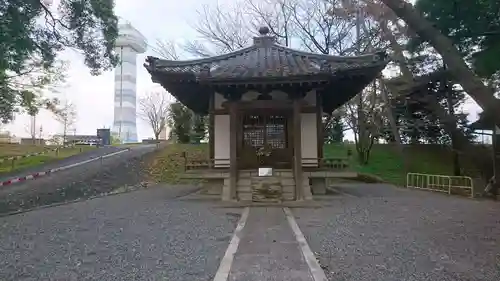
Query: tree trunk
(452, 58)
(407, 74)
(483, 96)
(394, 126)
(457, 171)
(448, 120)
(64, 131)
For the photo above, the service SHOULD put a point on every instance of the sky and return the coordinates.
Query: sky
(93, 95)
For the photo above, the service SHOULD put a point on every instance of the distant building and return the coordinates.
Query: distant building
(105, 136)
(77, 139)
(7, 137)
(149, 141)
(32, 141)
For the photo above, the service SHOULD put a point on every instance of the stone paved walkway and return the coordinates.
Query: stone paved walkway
(268, 249)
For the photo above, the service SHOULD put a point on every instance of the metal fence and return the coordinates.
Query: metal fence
(441, 183)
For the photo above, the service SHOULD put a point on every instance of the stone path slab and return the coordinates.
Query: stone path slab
(268, 250)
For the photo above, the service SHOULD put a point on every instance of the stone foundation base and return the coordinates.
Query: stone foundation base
(318, 186)
(213, 186)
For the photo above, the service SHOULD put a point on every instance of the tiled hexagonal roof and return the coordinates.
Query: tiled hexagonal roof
(264, 59)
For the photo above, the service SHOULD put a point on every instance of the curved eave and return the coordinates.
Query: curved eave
(347, 85)
(378, 55)
(181, 63)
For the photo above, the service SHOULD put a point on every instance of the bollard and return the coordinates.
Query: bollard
(57, 152)
(12, 164)
(81, 149)
(101, 160)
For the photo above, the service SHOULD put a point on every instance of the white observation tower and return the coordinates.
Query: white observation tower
(129, 43)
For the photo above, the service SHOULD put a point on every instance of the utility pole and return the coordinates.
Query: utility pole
(40, 134)
(33, 128)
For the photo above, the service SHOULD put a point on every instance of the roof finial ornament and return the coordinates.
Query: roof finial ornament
(264, 30)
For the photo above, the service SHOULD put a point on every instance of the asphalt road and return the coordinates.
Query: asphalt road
(62, 162)
(378, 232)
(143, 235)
(82, 181)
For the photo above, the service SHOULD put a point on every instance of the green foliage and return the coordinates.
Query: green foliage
(199, 128)
(387, 164)
(472, 25)
(180, 120)
(115, 139)
(487, 61)
(418, 121)
(334, 130)
(32, 34)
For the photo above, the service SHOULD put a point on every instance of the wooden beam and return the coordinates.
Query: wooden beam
(225, 111)
(267, 104)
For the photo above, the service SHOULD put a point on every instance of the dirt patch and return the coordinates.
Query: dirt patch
(167, 166)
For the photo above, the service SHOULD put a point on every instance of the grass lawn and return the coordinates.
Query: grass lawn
(385, 161)
(14, 149)
(24, 163)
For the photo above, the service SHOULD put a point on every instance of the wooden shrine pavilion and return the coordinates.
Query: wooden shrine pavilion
(265, 104)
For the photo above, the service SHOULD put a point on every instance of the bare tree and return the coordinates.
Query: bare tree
(66, 115)
(153, 108)
(167, 49)
(221, 29)
(275, 14)
(358, 33)
(364, 115)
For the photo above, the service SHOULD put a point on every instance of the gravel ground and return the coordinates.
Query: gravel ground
(143, 235)
(387, 234)
(79, 182)
(62, 162)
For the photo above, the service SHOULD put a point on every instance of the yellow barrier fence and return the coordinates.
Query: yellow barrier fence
(441, 183)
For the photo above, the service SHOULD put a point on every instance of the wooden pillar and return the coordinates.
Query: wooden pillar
(496, 158)
(233, 102)
(319, 126)
(297, 147)
(211, 128)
